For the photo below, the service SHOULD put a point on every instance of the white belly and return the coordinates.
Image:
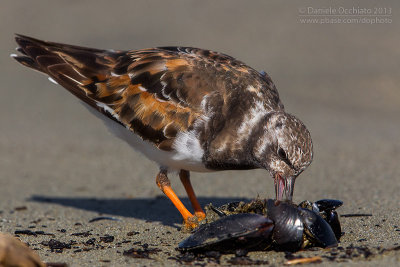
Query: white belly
(183, 157)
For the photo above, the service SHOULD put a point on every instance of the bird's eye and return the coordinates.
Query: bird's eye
(282, 154)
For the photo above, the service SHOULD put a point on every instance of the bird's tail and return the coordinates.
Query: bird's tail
(73, 67)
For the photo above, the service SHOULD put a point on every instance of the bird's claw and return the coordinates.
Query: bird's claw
(192, 222)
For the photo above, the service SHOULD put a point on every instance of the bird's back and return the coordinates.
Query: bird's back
(160, 94)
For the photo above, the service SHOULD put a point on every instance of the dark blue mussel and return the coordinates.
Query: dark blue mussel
(293, 222)
(245, 230)
(327, 210)
(286, 227)
(326, 207)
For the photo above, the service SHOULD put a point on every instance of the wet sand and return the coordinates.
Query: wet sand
(60, 168)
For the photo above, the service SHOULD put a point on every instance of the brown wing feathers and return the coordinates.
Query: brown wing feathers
(128, 87)
(49, 58)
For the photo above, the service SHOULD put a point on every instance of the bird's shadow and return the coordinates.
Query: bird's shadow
(158, 209)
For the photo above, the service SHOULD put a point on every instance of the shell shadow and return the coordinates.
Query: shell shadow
(158, 209)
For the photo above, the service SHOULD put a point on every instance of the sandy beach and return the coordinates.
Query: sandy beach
(60, 167)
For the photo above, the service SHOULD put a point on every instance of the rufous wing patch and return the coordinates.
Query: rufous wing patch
(154, 92)
(140, 111)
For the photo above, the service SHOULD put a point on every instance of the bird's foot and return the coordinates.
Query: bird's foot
(200, 215)
(192, 222)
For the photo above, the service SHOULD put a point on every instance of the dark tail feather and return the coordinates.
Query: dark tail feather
(73, 67)
(26, 61)
(70, 66)
(91, 61)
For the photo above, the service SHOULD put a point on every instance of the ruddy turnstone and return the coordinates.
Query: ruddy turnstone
(185, 108)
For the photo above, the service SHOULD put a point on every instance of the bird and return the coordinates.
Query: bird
(187, 109)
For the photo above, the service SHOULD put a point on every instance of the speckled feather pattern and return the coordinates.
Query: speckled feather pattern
(189, 102)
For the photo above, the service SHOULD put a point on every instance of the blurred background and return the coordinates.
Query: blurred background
(341, 79)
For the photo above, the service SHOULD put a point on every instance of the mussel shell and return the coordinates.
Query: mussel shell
(333, 219)
(326, 205)
(326, 208)
(317, 229)
(245, 231)
(288, 230)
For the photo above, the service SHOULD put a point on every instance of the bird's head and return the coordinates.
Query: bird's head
(285, 150)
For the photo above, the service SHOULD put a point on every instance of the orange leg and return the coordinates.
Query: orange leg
(185, 179)
(165, 186)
